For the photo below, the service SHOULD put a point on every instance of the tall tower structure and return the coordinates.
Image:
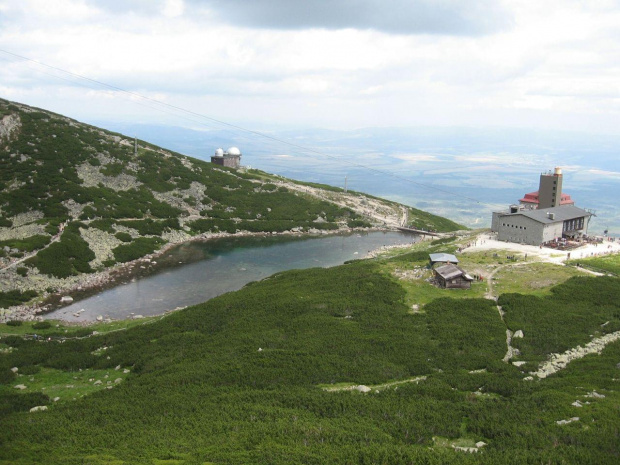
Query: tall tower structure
(550, 189)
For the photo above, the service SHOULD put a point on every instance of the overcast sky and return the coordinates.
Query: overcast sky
(553, 64)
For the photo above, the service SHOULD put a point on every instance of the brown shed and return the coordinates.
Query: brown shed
(452, 277)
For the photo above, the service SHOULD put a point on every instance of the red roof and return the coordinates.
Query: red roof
(532, 197)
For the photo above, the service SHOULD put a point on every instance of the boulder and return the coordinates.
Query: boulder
(66, 299)
(362, 388)
(20, 386)
(97, 383)
(38, 408)
(518, 334)
(14, 369)
(118, 380)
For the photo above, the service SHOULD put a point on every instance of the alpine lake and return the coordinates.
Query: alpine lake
(195, 272)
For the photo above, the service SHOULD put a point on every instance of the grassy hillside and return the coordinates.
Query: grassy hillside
(265, 375)
(75, 199)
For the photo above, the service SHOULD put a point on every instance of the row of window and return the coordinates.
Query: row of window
(513, 226)
(571, 225)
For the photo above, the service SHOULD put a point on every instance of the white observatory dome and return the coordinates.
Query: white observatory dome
(219, 153)
(233, 151)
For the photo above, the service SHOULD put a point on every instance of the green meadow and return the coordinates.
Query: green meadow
(267, 375)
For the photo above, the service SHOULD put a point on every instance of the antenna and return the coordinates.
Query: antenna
(345, 184)
(135, 145)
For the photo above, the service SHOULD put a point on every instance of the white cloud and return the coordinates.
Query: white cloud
(605, 174)
(416, 157)
(173, 8)
(553, 64)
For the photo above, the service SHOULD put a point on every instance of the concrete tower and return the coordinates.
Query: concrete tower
(550, 189)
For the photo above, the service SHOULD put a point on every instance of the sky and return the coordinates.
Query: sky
(344, 64)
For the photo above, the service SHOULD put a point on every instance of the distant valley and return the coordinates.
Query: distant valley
(493, 166)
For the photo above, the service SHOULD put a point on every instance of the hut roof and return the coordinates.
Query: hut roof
(561, 213)
(443, 257)
(450, 271)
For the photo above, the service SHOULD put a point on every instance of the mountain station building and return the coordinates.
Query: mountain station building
(535, 227)
(542, 216)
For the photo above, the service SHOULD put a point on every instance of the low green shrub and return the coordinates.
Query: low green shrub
(15, 297)
(41, 325)
(139, 248)
(70, 256)
(29, 369)
(123, 236)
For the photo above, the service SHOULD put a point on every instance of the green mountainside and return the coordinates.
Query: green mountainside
(324, 366)
(76, 199)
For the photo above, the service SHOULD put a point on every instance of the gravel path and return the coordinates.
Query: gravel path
(485, 242)
(558, 362)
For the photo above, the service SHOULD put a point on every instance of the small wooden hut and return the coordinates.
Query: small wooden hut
(450, 276)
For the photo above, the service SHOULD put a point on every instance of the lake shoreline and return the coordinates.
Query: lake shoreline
(91, 284)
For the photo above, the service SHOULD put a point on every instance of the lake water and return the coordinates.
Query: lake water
(195, 272)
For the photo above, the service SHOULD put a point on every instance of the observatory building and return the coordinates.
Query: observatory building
(230, 158)
(542, 216)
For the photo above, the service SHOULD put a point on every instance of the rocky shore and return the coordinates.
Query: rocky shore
(85, 285)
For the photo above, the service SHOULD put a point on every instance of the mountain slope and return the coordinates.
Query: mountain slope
(75, 199)
(268, 375)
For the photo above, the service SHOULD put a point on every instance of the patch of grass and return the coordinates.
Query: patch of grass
(420, 292)
(412, 271)
(532, 278)
(604, 264)
(68, 385)
(64, 329)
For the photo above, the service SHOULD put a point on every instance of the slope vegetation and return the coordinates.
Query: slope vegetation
(75, 200)
(278, 373)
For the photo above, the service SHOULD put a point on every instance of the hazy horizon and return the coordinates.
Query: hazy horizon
(461, 173)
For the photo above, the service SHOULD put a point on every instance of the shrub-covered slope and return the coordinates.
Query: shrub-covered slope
(80, 199)
(264, 375)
